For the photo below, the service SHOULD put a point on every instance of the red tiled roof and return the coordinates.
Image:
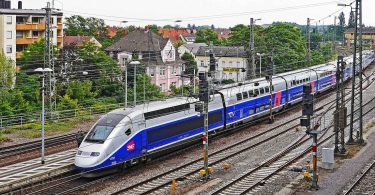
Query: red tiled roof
(222, 32)
(75, 40)
(112, 30)
(174, 34)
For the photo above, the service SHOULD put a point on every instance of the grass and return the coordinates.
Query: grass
(3, 137)
(33, 130)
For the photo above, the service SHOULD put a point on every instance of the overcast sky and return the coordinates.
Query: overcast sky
(221, 13)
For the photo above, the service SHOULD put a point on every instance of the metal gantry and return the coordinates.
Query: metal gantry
(341, 110)
(48, 59)
(356, 117)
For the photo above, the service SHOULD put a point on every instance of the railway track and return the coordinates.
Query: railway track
(35, 145)
(364, 184)
(257, 176)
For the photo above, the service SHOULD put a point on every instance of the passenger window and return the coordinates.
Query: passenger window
(273, 88)
(251, 94)
(261, 108)
(261, 91)
(257, 110)
(294, 82)
(239, 97)
(245, 95)
(256, 92)
(128, 132)
(267, 89)
(251, 111)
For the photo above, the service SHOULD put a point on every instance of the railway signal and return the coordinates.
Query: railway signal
(307, 112)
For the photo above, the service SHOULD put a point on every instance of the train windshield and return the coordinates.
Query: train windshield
(104, 127)
(99, 133)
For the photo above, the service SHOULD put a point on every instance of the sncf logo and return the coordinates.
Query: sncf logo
(130, 146)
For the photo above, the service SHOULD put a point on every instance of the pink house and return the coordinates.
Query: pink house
(157, 55)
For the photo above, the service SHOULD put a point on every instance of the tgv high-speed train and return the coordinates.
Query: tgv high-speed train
(127, 136)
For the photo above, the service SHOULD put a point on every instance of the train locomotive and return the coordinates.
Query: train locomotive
(127, 136)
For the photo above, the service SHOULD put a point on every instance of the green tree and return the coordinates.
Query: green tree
(190, 64)
(7, 71)
(144, 83)
(207, 35)
(33, 56)
(67, 103)
(351, 22)
(81, 91)
(29, 85)
(287, 44)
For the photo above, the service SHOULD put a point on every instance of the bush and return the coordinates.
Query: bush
(2, 137)
(67, 103)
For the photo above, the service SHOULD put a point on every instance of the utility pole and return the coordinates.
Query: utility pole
(270, 73)
(126, 84)
(356, 98)
(334, 36)
(308, 55)
(341, 110)
(48, 59)
(307, 112)
(251, 64)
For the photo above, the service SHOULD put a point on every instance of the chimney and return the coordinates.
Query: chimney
(19, 4)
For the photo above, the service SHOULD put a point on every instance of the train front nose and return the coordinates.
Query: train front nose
(88, 157)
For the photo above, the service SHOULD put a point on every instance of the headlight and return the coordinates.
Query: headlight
(95, 153)
(79, 152)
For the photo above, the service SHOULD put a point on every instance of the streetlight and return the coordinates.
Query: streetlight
(260, 63)
(43, 70)
(135, 63)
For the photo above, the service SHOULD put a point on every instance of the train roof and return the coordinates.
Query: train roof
(153, 106)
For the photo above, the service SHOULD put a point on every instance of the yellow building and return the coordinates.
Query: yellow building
(21, 27)
(231, 62)
(368, 37)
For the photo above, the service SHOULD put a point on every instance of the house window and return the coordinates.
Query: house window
(162, 71)
(174, 70)
(35, 33)
(230, 75)
(152, 71)
(35, 20)
(123, 61)
(9, 49)
(173, 83)
(9, 34)
(19, 34)
(238, 64)
(162, 87)
(202, 63)
(9, 19)
(230, 63)
(223, 63)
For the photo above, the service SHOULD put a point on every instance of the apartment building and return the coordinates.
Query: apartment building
(21, 27)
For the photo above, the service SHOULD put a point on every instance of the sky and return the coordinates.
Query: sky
(220, 13)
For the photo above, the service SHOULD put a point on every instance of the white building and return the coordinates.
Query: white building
(231, 62)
